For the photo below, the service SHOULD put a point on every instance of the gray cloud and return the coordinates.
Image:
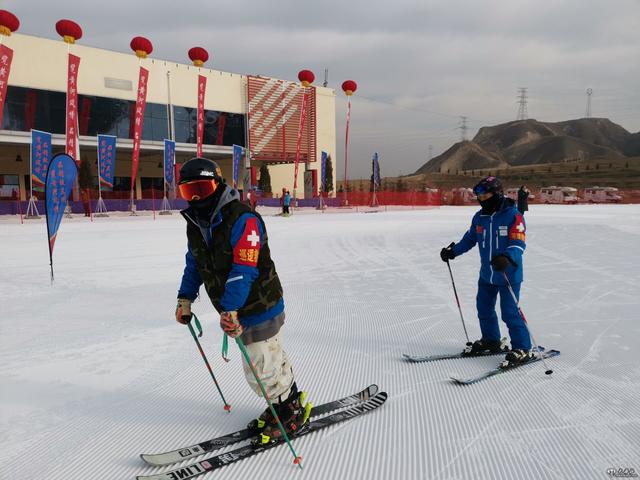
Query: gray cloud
(419, 64)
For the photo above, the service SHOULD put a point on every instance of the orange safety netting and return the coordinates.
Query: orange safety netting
(392, 198)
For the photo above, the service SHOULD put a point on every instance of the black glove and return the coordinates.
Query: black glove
(501, 262)
(447, 254)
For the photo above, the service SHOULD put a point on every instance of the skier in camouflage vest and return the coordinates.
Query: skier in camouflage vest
(228, 252)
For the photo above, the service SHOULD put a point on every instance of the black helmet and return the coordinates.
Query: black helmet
(200, 169)
(488, 185)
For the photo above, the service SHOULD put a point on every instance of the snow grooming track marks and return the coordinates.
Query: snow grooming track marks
(189, 452)
(349, 319)
(218, 461)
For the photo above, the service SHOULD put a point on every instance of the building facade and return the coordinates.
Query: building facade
(261, 114)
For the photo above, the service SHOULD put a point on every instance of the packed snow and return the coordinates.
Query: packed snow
(94, 370)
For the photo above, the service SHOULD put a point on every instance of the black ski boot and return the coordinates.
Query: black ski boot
(484, 347)
(515, 358)
(293, 413)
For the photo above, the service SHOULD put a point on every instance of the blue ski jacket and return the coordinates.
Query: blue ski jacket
(501, 233)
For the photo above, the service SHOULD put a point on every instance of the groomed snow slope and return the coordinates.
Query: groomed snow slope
(94, 369)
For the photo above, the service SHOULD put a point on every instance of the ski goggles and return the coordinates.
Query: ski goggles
(480, 189)
(197, 189)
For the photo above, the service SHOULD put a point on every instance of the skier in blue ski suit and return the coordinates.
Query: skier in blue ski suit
(499, 231)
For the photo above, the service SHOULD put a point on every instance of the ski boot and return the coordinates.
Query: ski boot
(515, 358)
(483, 347)
(294, 414)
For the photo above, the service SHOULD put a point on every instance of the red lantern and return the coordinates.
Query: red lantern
(349, 87)
(198, 56)
(8, 23)
(69, 30)
(306, 77)
(142, 46)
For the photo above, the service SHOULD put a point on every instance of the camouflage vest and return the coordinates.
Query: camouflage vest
(214, 263)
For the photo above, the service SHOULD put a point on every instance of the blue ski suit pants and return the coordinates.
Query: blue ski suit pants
(486, 305)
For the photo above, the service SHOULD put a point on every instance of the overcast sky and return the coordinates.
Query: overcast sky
(419, 64)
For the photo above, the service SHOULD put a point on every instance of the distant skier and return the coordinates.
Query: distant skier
(286, 202)
(499, 231)
(523, 199)
(252, 197)
(229, 253)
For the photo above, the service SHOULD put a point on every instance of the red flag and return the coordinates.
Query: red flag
(72, 105)
(303, 114)
(141, 102)
(346, 147)
(202, 89)
(6, 55)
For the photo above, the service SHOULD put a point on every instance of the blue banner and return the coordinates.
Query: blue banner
(61, 176)
(237, 154)
(169, 161)
(323, 169)
(375, 165)
(40, 157)
(106, 159)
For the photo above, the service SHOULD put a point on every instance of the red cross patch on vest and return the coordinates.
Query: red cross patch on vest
(517, 231)
(248, 247)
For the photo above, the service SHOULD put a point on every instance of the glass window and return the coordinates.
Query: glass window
(9, 187)
(27, 108)
(151, 182)
(220, 128)
(121, 184)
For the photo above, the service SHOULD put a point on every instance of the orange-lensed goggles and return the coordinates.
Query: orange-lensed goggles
(197, 189)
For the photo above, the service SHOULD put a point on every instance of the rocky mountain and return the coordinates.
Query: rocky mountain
(529, 142)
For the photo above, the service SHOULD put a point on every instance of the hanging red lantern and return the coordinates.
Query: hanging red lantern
(8, 23)
(198, 56)
(69, 30)
(349, 87)
(142, 46)
(306, 77)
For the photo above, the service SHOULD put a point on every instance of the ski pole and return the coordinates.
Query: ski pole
(227, 407)
(458, 301)
(548, 371)
(296, 458)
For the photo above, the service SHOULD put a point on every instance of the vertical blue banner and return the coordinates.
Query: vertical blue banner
(169, 161)
(106, 159)
(375, 165)
(237, 154)
(61, 176)
(40, 157)
(323, 169)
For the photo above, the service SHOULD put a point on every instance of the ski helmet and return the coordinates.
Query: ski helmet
(488, 185)
(199, 179)
(200, 169)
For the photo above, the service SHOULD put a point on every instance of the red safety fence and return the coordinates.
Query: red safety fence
(384, 197)
(460, 196)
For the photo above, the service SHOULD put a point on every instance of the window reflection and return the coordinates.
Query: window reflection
(27, 108)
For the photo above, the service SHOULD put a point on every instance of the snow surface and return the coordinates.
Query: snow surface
(94, 370)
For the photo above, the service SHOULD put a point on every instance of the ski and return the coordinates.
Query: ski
(198, 449)
(218, 461)
(449, 356)
(501, 369)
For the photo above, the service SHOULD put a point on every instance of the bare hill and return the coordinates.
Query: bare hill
(529, 142)
(462, 156)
